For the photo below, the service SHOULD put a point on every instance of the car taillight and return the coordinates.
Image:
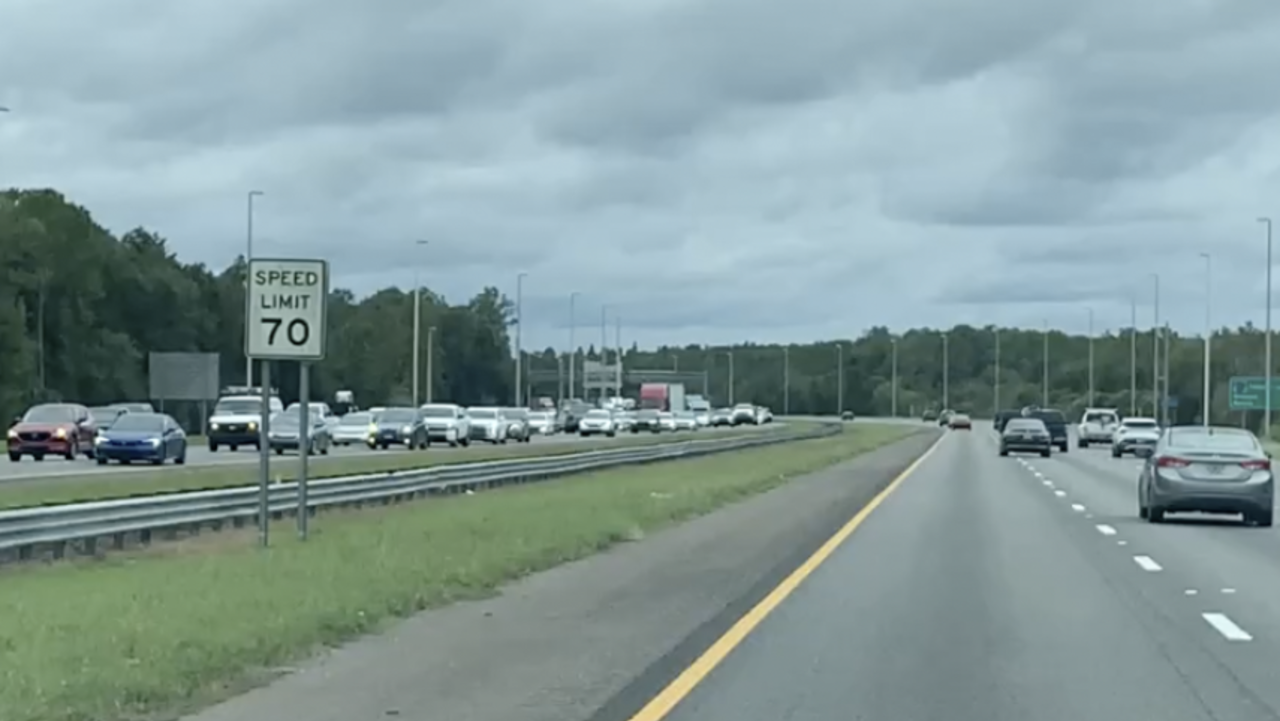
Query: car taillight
(1259, 465)
(1171, 462)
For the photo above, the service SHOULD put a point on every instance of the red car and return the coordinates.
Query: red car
(61, 429)
(961, 422)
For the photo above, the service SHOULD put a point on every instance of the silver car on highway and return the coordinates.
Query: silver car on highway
(1216, 469)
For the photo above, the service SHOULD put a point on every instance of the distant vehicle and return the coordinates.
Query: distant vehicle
(1055, 421)
(1097, 425)
(647, 420)
(151, 437)
(63, 429)
(447, 423)
(344, 402)
(131, 407)
(1003, 417)
(960, 421)
(944, 417)
(598, 422)
(763, 415)
(667, 421)
(542, 423)
(686, 420)
(316, 408)
(517, 424)
(1029, 435)
(744, 413)
(104, 416)
(928, 416)
(721, 417)
(1210, 470)
(846, 416)
(236, 421)
(286, 434)
(487, 424)
(662, 396)
(1135, 435)
(353, 428)
(572, 413)
(399, 427)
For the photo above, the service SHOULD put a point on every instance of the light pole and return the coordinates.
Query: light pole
(1045, 370)
(519, 324)
(431, 356)
(617, 344)
(786, 380)
(417, 325)
(893, 372)
(1208, 337)
(1090, 357)
(946, 373)
(1133, 355)
(996, 388)
(839, 378)
(1155, 352)
(1266, 412)
(573, 346)
(604, 344)
(730, 354)
(248, 256)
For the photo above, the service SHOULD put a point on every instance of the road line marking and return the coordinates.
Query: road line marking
(1060, 494)
(1105, 530)
(1077, 507)
(1191, 592)
(1147, 563)
(659, 706)
(1038, 474)
(1122, 543)
(1048, 483)
(1228, 590)
(1225, 626)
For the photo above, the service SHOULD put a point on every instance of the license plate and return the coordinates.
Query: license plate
(1216, 468)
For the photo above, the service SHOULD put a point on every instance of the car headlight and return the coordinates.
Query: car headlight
(373, 429)
(213, 426)
(155, 442)
(407, 430)
(99, 440)
(13, 433)
(60, 433)
(252, 426)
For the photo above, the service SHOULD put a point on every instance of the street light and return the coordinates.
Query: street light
(786, 380)
(248, 256)
(893, 370)
(519, 324)
(431, 357)
(1090, 357)
(730, 354)
(995, 392)
(946, 373)
(1133, 355)
(1208, 336)
(417, 323)
(839, 378)
(1155, 352)
(1266, 413)
(1045, 380)
(573, 346)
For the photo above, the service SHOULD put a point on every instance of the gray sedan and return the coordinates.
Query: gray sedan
(1211, 470)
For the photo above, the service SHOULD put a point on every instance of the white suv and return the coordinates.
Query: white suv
(1097, 426)
(447, 423)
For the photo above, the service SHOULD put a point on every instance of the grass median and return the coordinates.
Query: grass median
(91, 486)
(174, 628)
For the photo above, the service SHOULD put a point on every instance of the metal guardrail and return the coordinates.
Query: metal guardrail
(80, 526)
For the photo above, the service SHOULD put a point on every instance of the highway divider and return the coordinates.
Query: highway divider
(80, 528)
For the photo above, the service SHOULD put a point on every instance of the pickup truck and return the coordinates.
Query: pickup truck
(1097, 426)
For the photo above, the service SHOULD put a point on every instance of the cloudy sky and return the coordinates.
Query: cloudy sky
(715, 170)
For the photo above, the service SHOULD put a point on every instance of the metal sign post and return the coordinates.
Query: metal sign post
(286, 313)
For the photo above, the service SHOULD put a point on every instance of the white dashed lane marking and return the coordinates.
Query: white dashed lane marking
(1106, 530)
(1077, 507)
(1146, 563)
(1060, 494)
(1225, 626)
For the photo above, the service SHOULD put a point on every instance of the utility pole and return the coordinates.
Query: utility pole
(1164, 400)
(248, 256)
(573, 345)
(839, 378)
(946, 373)
(1091, 357)
(786, 380)
(617, 342)
(1155, 352)
(604, 346)
(893, 365)
(996, 391)
(417, 325)
(1045, 380)
(1133, 355)
(1266, 413)
(431, 355)
(519, 345)
(1206, 405)
(730, 354)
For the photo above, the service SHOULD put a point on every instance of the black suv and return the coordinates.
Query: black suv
(646, 420)
(1056, 422)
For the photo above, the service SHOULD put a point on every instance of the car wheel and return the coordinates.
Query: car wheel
(15, 457)
(1003, 452)
(1045, 453)
(1143, 511)
(1082, 443)
(101, 461)
(181, 460)
(1115, 452)
(1155, 515)
(213, 447)
(1064, 447)
(233, 448)
(72, 451)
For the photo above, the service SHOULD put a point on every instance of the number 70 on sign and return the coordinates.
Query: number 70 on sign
(286, 309)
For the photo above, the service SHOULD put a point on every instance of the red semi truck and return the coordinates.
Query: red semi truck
(662, 396)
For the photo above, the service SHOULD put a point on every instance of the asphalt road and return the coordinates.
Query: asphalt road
(199, 455)
(992, 589)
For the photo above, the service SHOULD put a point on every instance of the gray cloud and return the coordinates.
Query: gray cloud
(713, 169)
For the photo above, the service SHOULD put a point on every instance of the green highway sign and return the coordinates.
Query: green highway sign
(1247, 393)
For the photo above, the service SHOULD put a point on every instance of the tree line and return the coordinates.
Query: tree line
(80, 309)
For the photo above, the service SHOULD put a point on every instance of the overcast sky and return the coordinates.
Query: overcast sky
(716, 170)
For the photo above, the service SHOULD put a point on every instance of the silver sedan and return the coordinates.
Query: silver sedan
(1209, 470)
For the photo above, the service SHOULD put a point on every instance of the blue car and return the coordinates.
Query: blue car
(151, 437)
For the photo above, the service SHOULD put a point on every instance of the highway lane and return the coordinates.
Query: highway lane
(986, 589)
(199, 455)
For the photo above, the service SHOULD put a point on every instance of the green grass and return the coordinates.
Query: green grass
(100, 486)
(179, 626)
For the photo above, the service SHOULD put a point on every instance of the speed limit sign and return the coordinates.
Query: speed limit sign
(286, 309)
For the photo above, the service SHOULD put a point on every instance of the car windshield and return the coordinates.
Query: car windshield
(518, 413)
(105, 415)
(50, 414)
(397, 415)
(1140, 425)
(1024, 424)
(139, 423)
(540, 416)
(285, 420)
(485, 414)
(1219, 440)
(1051, 416)
(439, 412)
(356, 419)
(238, 407)
(1100, 418)
(598, 414)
